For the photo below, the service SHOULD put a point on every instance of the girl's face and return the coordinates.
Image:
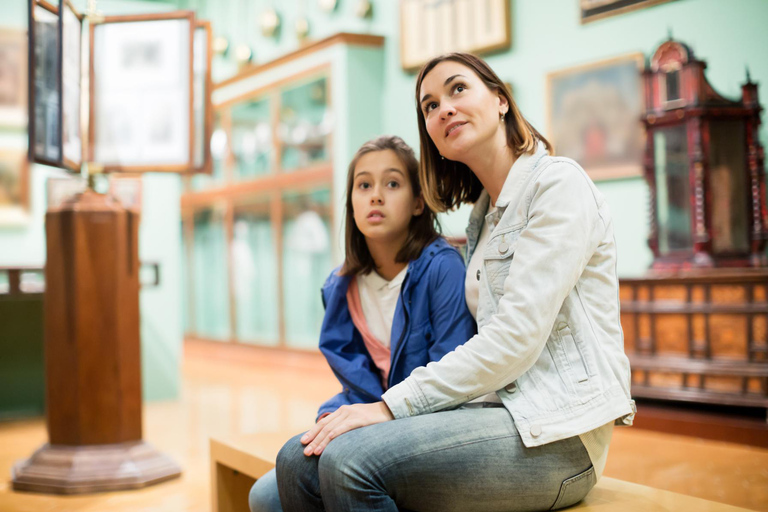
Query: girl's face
(460, 112)
(382, 197)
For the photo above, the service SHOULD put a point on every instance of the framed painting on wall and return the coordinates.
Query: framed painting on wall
(127, 190)
(14, 187)
(592, 10)
(203, 105)
(476, 26)
(13, 78)
(60, 189)
(593, 116)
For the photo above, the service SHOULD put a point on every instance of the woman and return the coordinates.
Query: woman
(528, 404)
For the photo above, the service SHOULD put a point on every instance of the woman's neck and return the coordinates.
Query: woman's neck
(384, 253)
(492, 167)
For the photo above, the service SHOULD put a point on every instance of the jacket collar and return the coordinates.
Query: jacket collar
(415, 268)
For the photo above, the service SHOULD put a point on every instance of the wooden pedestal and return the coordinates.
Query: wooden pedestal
(92, 355)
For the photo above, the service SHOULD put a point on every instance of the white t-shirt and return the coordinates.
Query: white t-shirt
(378, 298)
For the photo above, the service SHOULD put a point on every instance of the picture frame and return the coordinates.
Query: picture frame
(203, 103)
(14, 187)
(13, 78)
(592, 10)
(44, 83)
(478, 26)
(593, 116)
(142, 101)
(127, 189)
(71, 30)
(59, 189)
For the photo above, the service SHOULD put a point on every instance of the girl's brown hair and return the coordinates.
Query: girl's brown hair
(447, 183)
(422, 230)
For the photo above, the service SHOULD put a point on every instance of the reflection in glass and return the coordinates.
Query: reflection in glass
(306, 264)
(305, 123)
(728, 186)
(673, 190)
(254, 275)
(47, 143)
(71, 47)
(251, 139)
(210, 282)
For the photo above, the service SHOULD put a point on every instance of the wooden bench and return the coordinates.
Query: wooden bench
(237, 462)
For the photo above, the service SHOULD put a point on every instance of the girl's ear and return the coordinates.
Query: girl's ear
(418, 206)
(503, 104)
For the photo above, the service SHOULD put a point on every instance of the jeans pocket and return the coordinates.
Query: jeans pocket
(574, 489)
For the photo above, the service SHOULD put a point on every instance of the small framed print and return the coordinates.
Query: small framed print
(593, 116)
(13, 78)
(142, 97)
(127, 190)
(60, 189)
(476, 26)
(592, 10)
(14, 187)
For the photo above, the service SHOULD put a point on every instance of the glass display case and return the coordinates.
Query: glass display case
(705, 167)
(261, 233)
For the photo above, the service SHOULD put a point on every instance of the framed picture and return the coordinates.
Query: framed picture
(593, 116)
(203, 105)
(45, 77)
(476, 26)
(13, 78)
(592, 10)
(60, 189)
(14, 187)
(71, 47)
(141, 101)
(127, 190)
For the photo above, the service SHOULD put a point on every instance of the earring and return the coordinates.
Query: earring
(442, 157)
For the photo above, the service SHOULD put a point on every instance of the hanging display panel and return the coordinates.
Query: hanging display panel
(45, 80)
(203, 107)
(142, 98)
(71, 23)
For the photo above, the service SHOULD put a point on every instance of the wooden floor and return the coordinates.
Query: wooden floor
(232, 390)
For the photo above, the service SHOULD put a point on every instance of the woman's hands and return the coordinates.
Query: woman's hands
(344, 419)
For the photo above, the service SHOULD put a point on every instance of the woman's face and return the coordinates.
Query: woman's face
(461, 113)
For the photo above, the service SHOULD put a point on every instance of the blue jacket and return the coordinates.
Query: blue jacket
(431, 319)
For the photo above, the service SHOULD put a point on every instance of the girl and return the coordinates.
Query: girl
(540, 386)
(397, 302)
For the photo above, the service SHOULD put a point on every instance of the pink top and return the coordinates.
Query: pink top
(380, 354)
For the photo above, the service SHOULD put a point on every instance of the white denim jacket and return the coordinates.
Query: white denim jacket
(549, 339)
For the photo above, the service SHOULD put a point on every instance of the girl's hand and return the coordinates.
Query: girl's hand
(344, 419)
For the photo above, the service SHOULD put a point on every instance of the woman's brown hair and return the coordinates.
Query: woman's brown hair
(422, 230)
(445, 183)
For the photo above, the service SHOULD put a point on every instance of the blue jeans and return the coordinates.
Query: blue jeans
(466, 459)
(264, 496)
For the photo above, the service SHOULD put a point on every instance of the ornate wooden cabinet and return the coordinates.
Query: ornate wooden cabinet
(704, 167)
(694, 330)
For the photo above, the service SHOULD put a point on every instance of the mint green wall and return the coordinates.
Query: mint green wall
(159, 237)
(546, 36)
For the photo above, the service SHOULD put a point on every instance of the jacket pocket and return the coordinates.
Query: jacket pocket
(497, 258)
(574, 489)
(571, 356)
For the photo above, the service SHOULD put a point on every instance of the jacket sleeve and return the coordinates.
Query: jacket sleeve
(550, 254)
(343, 348)
(452, 323)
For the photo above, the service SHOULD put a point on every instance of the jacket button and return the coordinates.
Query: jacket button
(478, 274)
(503, 247)
(535, 430)
(511, 388)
